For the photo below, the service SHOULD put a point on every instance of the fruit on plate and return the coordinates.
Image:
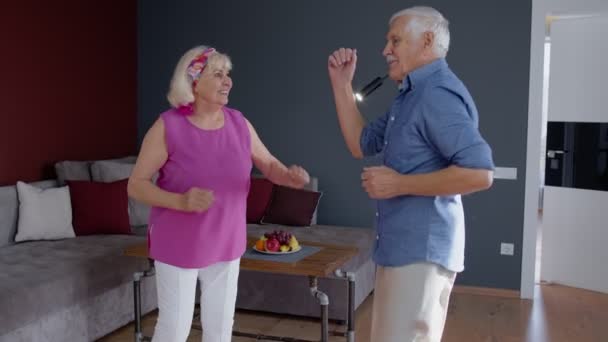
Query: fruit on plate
(293, 243)
(277, 241)
(272, 245)
(260, 245)
(282, 236)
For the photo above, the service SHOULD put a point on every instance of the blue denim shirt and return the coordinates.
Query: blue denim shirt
(432, 124)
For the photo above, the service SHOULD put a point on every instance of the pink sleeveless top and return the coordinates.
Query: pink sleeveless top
(217, 160)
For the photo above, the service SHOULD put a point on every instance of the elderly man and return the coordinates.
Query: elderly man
(433, 153)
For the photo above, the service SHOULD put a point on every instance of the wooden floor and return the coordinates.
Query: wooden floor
(559, 314)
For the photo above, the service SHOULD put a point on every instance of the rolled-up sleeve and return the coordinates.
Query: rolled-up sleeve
(372, 136)
(452, 129)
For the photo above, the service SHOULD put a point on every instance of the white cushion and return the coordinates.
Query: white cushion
(44, 214)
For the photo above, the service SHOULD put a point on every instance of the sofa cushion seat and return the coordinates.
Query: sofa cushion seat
(39, 277)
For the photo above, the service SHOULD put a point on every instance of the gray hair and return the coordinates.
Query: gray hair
(180, 90)
(427, 19)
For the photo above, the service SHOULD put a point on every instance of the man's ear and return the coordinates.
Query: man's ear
(428, 39)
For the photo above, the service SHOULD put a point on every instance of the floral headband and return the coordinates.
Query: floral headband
(198, 64)
(194, 71)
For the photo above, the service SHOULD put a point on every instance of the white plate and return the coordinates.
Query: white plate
(269, 252)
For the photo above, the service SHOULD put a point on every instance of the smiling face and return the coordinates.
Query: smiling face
(405, 51)
(214, 84)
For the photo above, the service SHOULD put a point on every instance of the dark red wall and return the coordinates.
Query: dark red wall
(68, 71)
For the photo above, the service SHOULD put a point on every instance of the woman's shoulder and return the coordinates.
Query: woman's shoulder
(171, 116)
(233, 112)
(237, 117)
(171, 112)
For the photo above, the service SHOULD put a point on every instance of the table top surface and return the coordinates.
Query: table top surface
(320, 264)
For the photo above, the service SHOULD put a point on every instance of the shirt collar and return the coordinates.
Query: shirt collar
(421, 74)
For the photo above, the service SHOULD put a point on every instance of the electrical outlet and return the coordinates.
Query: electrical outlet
(506, 248)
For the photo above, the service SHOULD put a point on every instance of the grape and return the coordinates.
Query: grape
(281, 236)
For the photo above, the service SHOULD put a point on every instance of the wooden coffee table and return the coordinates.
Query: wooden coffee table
(326, 262)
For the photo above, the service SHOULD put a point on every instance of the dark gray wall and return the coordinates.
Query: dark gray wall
(279, 50)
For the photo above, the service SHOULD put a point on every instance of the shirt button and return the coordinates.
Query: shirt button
(377, 237)
(377, 214)
(386, 143)
(392, 118)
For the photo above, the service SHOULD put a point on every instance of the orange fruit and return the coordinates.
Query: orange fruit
(259, 245)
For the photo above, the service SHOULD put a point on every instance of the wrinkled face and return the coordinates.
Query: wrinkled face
(403, 51)
(214, 85)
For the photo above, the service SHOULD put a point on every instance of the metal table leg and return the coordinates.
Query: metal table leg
(324, 302)
(350, 276)
(137, 276)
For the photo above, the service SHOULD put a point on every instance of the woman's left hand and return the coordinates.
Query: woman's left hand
(298, 176)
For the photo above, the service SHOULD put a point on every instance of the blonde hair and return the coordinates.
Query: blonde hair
(180, 89)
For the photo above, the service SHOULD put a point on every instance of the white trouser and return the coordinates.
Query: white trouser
(411, 303)
(176, 288)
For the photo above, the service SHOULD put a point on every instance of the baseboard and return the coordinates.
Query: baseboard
(486, 291)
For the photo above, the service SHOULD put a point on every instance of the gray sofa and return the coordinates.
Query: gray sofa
(77, 289)
(80, 289)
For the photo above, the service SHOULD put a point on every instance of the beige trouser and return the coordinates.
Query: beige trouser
(411, 303)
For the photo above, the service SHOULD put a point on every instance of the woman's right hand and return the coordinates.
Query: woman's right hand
(196, 200)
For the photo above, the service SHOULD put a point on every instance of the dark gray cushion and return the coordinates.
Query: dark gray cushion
(81, 170)
(113, 170)
(41, 277)
(110, 171)
(9, 210)
(72, 170)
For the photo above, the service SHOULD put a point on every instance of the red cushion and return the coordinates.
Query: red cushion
(260, 194)
(292, 207)
(100, 208)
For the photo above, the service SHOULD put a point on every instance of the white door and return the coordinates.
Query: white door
(575, 221)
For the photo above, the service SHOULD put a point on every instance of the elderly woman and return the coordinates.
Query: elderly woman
(203, 152)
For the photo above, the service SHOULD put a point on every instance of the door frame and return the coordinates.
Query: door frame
(541, 25)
